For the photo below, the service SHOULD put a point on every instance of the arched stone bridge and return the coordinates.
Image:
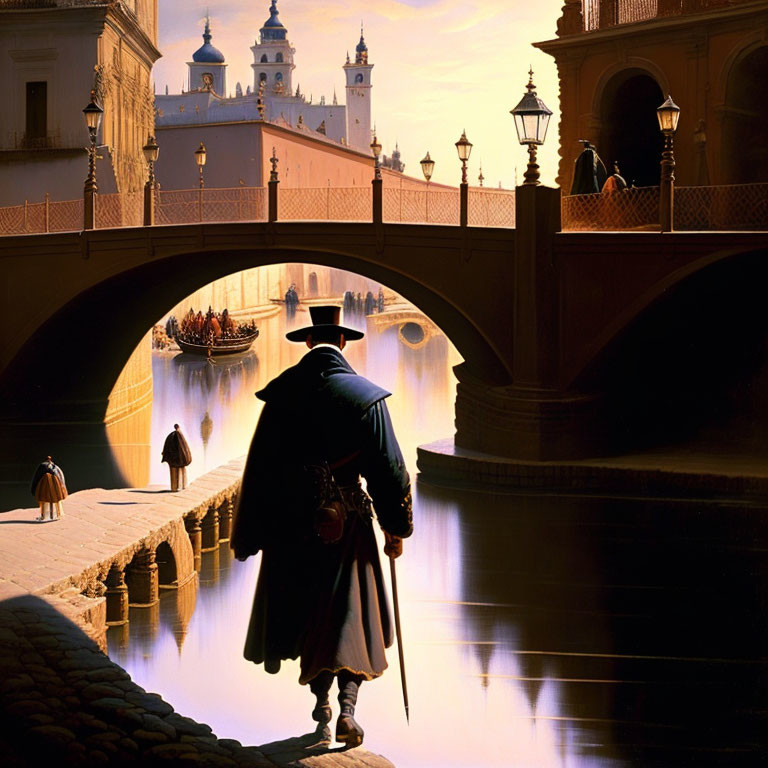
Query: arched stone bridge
(534, 311)
(402, 318)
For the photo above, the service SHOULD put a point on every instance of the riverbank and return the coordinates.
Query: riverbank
(62, 700)
(664, 473)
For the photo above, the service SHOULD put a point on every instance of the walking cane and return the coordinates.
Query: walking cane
(399, 632)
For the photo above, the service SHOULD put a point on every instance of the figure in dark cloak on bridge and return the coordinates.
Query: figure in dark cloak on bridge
(178, 456)
(50, 490)
(320, 595)
(369, 303)
(589, 173)
(380, 301)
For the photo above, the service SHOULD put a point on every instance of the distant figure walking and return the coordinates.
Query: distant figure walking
(291, 301)
(50, 489)
(370, 302)
(380, 300)
(178, 456)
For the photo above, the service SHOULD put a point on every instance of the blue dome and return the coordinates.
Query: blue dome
(207, 54)
(273, 28)
(361, 46)
(273, 20)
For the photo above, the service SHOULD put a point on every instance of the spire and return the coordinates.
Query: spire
(335, 100)
(207, 33)
(361, 50)
(273, 28)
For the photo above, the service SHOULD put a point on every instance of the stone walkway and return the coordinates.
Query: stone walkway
(62, 700)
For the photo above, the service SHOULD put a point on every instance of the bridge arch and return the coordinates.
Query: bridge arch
(91, 335)
(689, 359)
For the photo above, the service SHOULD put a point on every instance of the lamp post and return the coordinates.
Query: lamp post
(427, 168)
(93, 114)
(464, 148)
(668, 114)
(200, 157)
(151, 151)
(376, 183)
(531, 121)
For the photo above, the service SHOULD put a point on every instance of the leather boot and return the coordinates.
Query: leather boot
(321, 714)
(348, 730)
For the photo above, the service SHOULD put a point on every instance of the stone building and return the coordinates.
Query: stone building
(52, 54)
(618, 60)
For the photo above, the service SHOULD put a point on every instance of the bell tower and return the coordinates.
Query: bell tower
(273, 56)
(358, 76)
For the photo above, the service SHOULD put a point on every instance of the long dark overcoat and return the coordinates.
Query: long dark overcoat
(324, 603)
(176, 450)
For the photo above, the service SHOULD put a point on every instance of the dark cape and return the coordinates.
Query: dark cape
(325, 603)
(48, 483)
(589, 173)
(176, 451)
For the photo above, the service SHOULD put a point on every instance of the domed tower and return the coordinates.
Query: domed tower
(273, 56)
(207, 70)
(359, 97)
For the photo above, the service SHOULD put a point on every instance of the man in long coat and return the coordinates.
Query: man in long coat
(319, 599)
(178, 456)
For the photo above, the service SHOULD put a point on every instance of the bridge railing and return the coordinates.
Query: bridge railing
(601, 14)
(487, 208)
(724, 207)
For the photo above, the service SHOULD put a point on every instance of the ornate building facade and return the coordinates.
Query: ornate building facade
(52, 54)
(619, 59)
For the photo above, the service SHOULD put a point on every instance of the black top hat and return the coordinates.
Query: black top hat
(324, 318)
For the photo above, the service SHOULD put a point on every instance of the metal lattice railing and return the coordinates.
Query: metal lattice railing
(599, 14)
(491, 208)
(734, 206)
(726, 207)
(415, 206)
(325, 204)
(188, 206)
(636, 208)
(119, 210)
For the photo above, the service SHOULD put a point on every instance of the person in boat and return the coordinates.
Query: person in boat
(320, 595)
(177, 455)
(227, 324)
(50, 490)
(589, 172)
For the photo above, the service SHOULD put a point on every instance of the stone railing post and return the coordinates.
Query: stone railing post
(210, 531)
(192, 524)
(143, 581)
(47, 212)
(572, 20)
(117, 597)
(226, 512)
(377, 198)
(149, 205)
(463, 204)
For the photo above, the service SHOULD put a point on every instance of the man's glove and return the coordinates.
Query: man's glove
(394, 545)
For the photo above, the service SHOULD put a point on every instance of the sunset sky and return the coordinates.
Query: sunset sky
(440, 66)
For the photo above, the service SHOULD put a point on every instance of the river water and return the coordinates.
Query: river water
(538, 631)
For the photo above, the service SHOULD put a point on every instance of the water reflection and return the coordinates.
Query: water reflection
(539, 631)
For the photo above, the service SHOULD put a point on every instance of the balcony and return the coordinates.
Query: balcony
(602, 14)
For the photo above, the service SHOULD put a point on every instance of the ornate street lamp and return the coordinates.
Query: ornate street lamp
(151, 151)
(93, 114)
(427, 167)
(669, 115)
(376, 149)
(464, 148)
(200, 158)
(531, 121)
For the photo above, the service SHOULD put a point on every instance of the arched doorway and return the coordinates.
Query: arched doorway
(745, 127)
(629, 131)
